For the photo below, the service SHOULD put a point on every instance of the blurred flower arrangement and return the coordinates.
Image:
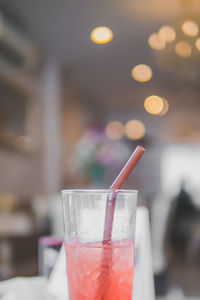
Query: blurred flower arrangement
(97, 157)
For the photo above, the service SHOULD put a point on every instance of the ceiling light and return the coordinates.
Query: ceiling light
(197, 44)
(156, 42)
(135, 129)
(167, 33)
(153, 105)
(183, 49)
(101, 35)
(114, 130)
(165, 107)
(141, 73)
(190, 28)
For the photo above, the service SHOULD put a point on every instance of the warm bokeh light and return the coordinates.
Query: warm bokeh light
(167, 34)
(190, 28)
(153, 105)
(24, 143)
(20, 141)
(183, 49)
(101, 35)
(141, 73)
(114, 130)
(165, 107)
(197, 44)
(156, 42)
(135, 129)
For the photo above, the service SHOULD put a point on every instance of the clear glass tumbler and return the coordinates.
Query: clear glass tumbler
(97, 269)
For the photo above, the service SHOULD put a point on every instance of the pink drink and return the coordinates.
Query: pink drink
(100, 272)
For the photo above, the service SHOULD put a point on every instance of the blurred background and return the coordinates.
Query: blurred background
(81, 84)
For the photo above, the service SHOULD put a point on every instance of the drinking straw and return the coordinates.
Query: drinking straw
(110, 205)
(110, 209)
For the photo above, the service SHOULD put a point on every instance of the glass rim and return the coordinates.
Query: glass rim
(105, 191)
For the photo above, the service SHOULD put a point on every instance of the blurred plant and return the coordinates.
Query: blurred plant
(95, 156)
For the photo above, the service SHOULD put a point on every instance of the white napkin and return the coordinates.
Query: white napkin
(57, 284)
(33, 288)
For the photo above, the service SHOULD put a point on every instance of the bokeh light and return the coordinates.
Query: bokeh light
(156, 42)
(165, 107)
(190, 28)
(101, 35)
(114, 130)
(141, 73)
(153, 105)
(183, 49)
(197, 44)
(167, 34)
(24, 143)
(20, 141)
(135, 129)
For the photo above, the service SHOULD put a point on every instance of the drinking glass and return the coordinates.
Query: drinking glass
(98, 269)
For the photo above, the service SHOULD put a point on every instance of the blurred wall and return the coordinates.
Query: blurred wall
(21, 173)
(36, 172)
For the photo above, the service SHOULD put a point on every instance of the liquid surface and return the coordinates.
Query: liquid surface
(100, 272)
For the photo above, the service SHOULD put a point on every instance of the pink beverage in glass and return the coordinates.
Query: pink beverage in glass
(91, 278)
(97, 269)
